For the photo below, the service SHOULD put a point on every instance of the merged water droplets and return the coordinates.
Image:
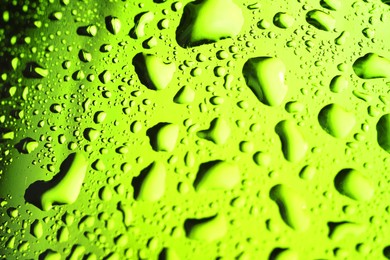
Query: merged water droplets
(219, 131)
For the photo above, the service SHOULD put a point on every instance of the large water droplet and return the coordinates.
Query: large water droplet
(331, 4)
(207, 21)
(217, 175)
(150, 184)
(383, 131)
(372, 66)
(265, 76)
(113, 24)
(163, 136)
(292, 207)
(283, 20)
(207, 229)
(64, 188)
(336, 121)
(354, 185)
(294, 146)
(152, 71)
(218, 133)
(344, 230)
(321, 20)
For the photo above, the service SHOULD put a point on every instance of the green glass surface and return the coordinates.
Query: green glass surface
(207, 129)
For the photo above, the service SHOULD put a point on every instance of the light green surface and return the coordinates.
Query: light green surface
(210, 129)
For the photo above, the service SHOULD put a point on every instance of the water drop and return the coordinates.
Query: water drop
(64, 188)
(321, 20)
(206, 229)
(265, 77)
(206, 21)
(294, 146)
(113, 24)
(292, 207)
(354, 185)
(383, 132)
(150, 184)
(336, 121)
(371, 66)
(217, 175)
